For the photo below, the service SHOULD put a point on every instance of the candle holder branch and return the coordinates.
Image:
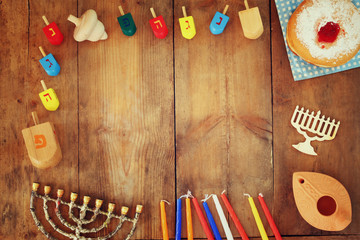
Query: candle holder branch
(78, 228)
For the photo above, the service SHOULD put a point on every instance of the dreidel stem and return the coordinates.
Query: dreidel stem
(225, 10)
(35, 118)
(153, 12)
(184, 11)
(42, 51)
(246, 4)
(45, 20)
(74, 20)
(43, 85)
(121, 10)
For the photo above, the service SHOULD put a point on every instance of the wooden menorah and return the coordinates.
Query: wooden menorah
(78, 230)
(322, 128)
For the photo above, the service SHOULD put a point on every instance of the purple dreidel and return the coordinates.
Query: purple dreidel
(48, 62)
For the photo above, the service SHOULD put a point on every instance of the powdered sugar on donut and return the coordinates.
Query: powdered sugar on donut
(312, 18)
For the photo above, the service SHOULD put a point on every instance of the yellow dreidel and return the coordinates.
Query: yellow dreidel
(251, 22)
(187, 25)
(42, 144)
(48, 98)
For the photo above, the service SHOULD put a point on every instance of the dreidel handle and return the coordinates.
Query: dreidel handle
(35, 118)
(43, 85)
(121, 10)
(184, 11)
(153, 12)
(42, 51)
(246, 4)
(45, 20)
(226, 8)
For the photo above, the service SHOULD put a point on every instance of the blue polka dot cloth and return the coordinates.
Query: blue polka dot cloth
(302, 70)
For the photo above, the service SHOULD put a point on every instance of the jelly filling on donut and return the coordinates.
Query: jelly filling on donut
(329, 32)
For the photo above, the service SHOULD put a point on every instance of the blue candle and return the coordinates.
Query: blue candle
(211, 221)
(178, 220)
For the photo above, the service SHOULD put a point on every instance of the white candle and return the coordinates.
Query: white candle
(224, 223)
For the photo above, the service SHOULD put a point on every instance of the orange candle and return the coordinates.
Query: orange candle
(163, 221)
(189, 219)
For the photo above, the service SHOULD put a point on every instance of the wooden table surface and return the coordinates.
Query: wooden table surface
(143, 119)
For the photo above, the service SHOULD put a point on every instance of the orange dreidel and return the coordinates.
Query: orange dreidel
(251, 22)
(52, 32)
(48, 98)
(158, 25)
(187, 25)
(42, 144)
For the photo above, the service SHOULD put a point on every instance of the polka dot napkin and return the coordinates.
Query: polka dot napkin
(302, 70)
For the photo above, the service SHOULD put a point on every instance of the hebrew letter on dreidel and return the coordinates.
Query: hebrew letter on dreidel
(218, 23)
(157, 23)
(126, 22)
(53, 32)
(40, 141)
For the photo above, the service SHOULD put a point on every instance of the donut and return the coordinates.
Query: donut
(325, 33)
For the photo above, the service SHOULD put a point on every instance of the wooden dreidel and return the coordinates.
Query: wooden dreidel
(42, 144)
(187, 25)
(127, 23)
(48, 98)
(158, 25)
(251, 22)
(48, 62)
(219, 22)
(52, 32)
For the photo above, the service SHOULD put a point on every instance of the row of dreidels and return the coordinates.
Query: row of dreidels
(214, 234)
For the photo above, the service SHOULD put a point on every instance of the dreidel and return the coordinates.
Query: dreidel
(219, 22)
(127, 23)
(251, 22)
(42, 144)
(48, 98)
(52, 32)
(158, 25)
(48, 62)
(187, 25)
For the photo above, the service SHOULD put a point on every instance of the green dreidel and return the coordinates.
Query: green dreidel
(127, 23)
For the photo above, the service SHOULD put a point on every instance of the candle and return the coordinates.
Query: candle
(163, 221)
(257, 218)
(178, 220)
(203, 222)
(269, 217)
(189, 219)
(234, 217)
(212, 222)
(224, 223)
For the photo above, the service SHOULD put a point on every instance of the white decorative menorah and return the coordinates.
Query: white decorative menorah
(321, 128)
(78, 230)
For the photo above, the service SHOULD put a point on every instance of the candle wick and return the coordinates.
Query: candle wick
(189, 194)
(166, 202)
(261, 195)
(183, 196)
(207, 197)
(247, 195)
(223, 191)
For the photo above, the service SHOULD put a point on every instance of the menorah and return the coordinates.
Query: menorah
(321, 128)
(78, 230)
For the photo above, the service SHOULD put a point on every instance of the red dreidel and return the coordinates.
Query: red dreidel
(52, 32)
(158, 25)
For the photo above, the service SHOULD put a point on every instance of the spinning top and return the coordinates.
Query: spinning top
(187, 25)
(126, 22)
(42, 144)
(251, 22)
(88, 27)
(322, 201)
(52, 32)
(219, 22)
(49, 63)
(48, 98)
(158, 25)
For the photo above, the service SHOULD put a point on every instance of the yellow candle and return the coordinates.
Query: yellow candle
(163, 221)
(257, 218)
(189, 219)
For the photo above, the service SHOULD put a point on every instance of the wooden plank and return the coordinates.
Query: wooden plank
(127, 115)
(336, 96)
(223, 110)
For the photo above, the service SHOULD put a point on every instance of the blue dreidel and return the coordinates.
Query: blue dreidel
(219, 22)
(48, 62)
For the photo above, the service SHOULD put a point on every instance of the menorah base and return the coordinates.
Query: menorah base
(305, 147)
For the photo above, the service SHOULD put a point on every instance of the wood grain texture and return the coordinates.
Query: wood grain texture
(336, 96)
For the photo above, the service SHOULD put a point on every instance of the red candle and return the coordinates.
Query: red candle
(269, 217)
(202, 219)
(234, 217)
